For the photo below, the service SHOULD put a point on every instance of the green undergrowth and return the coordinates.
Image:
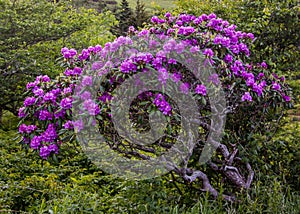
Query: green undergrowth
(74, 185)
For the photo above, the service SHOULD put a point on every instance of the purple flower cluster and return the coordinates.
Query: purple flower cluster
(23, 128)
(162, 104)
(49, 135)
(201, 89)
(68, 53)
(247, 97)
(66, 103)
(91, 107)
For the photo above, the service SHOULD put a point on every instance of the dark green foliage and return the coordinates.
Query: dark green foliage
(124, 15)
(32, 34)
(140, 15)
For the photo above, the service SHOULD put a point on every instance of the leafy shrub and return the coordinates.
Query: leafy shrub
(248, 87)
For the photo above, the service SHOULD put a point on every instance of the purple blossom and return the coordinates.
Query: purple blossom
(77, 71)
(38, 92)
(31, 85)
(184, 88)
(264, 65)
(163, 75)
(257, 88)
(286, 98)
(23, 128)
(53, 148)
(85, 95)
(91, 107)
(186, 30)
(45, 78)
(44, 152)
(250, 35)
(247, 97)
(21, 112)
(201, 89)
(49, 96)
(84, 55)
(45, 115)
(172, 61)
(176, 77)
(208, 52)
(66, 103)
(50, 134)
(68, 125)
(36, 142)
(180, 47)
(87, 81)
(59, 114)
(194, 49)
(67, 90)
(105, 97)
(29, 101)
(162, 104)
(228, 58)
(78, 125)
(128, 66)
(276, 86)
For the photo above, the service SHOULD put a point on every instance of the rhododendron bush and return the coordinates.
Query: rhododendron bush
(255, 98)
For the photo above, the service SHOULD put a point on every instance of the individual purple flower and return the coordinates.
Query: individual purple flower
(194, 49)
(50, 134)
(264, 65)
(68, 125)
(286, 98)
(23, 128)
(77, 71)
(21, 112)
(257, 88)
(235, 49)
(176, 77)
(201, 89)
(91, 107)
(66, 103)
(228, 58)
(162, 104)
(276, 86)
(68, 72)
(247, 97)
(163, 75)
(78, 125)
(180, 47)
(68, 90)
(31, 85)
(184, 88)
(87, 81)
(208, 52)
(214, 78)
(29, 101)
(260, 76)
(38, 92)
(172, 61)
(128, 66)
(53, 148)
(36, 142)
(44, 152)
(45, 78)
(45, 115)
(85, 95)
(250, 35)
(49, 96)
(60, 114)
(84, 55)
(105, 97)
